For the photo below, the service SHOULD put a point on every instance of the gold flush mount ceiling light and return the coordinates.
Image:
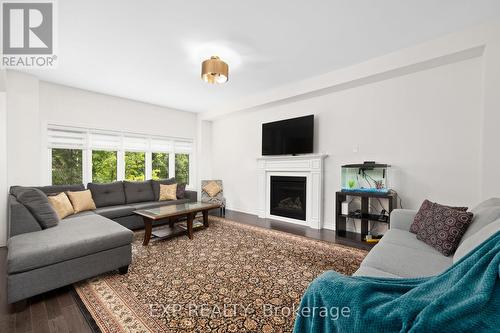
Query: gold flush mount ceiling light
(214, 70)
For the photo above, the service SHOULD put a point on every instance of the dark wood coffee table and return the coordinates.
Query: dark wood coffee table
(172, 213)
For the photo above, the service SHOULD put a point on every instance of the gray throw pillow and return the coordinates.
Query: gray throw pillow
(37, 203)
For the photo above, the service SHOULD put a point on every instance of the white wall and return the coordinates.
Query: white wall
(3, 160)
(23, 129)
(426, 124)
(491, 117)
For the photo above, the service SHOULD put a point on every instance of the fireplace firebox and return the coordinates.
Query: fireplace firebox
(288, 197)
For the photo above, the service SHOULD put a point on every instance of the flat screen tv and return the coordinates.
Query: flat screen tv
(288, 137)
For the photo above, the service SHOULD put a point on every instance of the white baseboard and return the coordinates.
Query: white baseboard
(329, 226)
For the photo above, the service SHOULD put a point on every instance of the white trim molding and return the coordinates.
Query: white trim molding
(309, 166)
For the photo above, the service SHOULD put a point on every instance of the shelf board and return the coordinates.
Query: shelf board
(353, 239)
(389, 195)
(369, 217)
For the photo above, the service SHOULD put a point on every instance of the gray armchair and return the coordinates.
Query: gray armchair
(218, 199)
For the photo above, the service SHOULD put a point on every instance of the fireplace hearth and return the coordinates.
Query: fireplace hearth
(288, 197)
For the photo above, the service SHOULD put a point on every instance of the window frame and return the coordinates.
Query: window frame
(171, 146)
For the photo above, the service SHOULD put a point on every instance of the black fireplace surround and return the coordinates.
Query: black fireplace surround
(288, 197)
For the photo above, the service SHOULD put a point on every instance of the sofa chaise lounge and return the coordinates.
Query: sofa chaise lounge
(80, 246)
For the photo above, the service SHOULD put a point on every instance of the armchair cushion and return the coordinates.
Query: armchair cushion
(212, 188)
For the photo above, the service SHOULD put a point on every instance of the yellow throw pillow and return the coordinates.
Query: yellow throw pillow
(212, 188)
(168, 192)
(61, 205)
(81, 200)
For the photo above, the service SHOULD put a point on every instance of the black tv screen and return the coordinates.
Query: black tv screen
(288, 137)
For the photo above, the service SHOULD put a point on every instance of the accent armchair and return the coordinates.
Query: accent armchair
(212, 191)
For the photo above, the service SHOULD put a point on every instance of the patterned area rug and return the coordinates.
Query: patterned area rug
(230, 278)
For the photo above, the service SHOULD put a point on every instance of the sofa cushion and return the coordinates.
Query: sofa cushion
(61, 204)
(476, 239)
(181, 191)
(85, 213)
(112, 212)
(168, 192)
(406, 239)
(138, 191)
(153, 204)
(444, 229)
(109, 194)
(38, 204)
(72, 238)
(56, 189)
(426, 211)
(373, 272)
(156, 186)
(482, 217)
(81, 200)
(406, 262)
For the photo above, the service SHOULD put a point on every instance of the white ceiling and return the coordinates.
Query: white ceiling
(151, 50)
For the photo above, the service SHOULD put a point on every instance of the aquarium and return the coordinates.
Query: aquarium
(365, 177)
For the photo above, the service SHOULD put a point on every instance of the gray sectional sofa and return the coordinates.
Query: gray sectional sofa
(400, 254)
(81, 245)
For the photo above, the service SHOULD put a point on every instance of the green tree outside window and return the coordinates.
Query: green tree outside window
(67, 166)
(182, 168)
(104, 165)
(160, 166)
(135, 166)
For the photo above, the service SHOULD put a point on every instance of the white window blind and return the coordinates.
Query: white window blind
(135, 143)
(66, 138)
(184, 147)
(161, 145)
(106, 141)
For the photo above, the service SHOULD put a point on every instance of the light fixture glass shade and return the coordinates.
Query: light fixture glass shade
(214, 70)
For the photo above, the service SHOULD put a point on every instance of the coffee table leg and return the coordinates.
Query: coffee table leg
(190, 218)
(148, 228)
(205, 218)
(171, 222)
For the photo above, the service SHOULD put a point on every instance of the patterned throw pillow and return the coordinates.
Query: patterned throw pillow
(168, 192)
(444, 227)
(212, 189)
(425, 212)
(61, 205)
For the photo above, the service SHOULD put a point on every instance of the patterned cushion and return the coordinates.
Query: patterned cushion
(61, 205)
(212, 188)
(81, 200)
(168, 192)
(443, 228)
(181, 191)
(156, 186)
(425, 212)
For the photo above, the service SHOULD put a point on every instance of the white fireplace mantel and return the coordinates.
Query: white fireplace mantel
(309, 166)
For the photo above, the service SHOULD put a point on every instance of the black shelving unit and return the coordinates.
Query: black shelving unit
(365, 216)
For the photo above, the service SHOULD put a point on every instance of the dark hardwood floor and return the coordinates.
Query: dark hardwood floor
(58, 311)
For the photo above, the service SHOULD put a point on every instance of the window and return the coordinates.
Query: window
(182, 168)
(159, 165)
(135, 166)
(104, 166)
(84, 155)
(67, 166)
